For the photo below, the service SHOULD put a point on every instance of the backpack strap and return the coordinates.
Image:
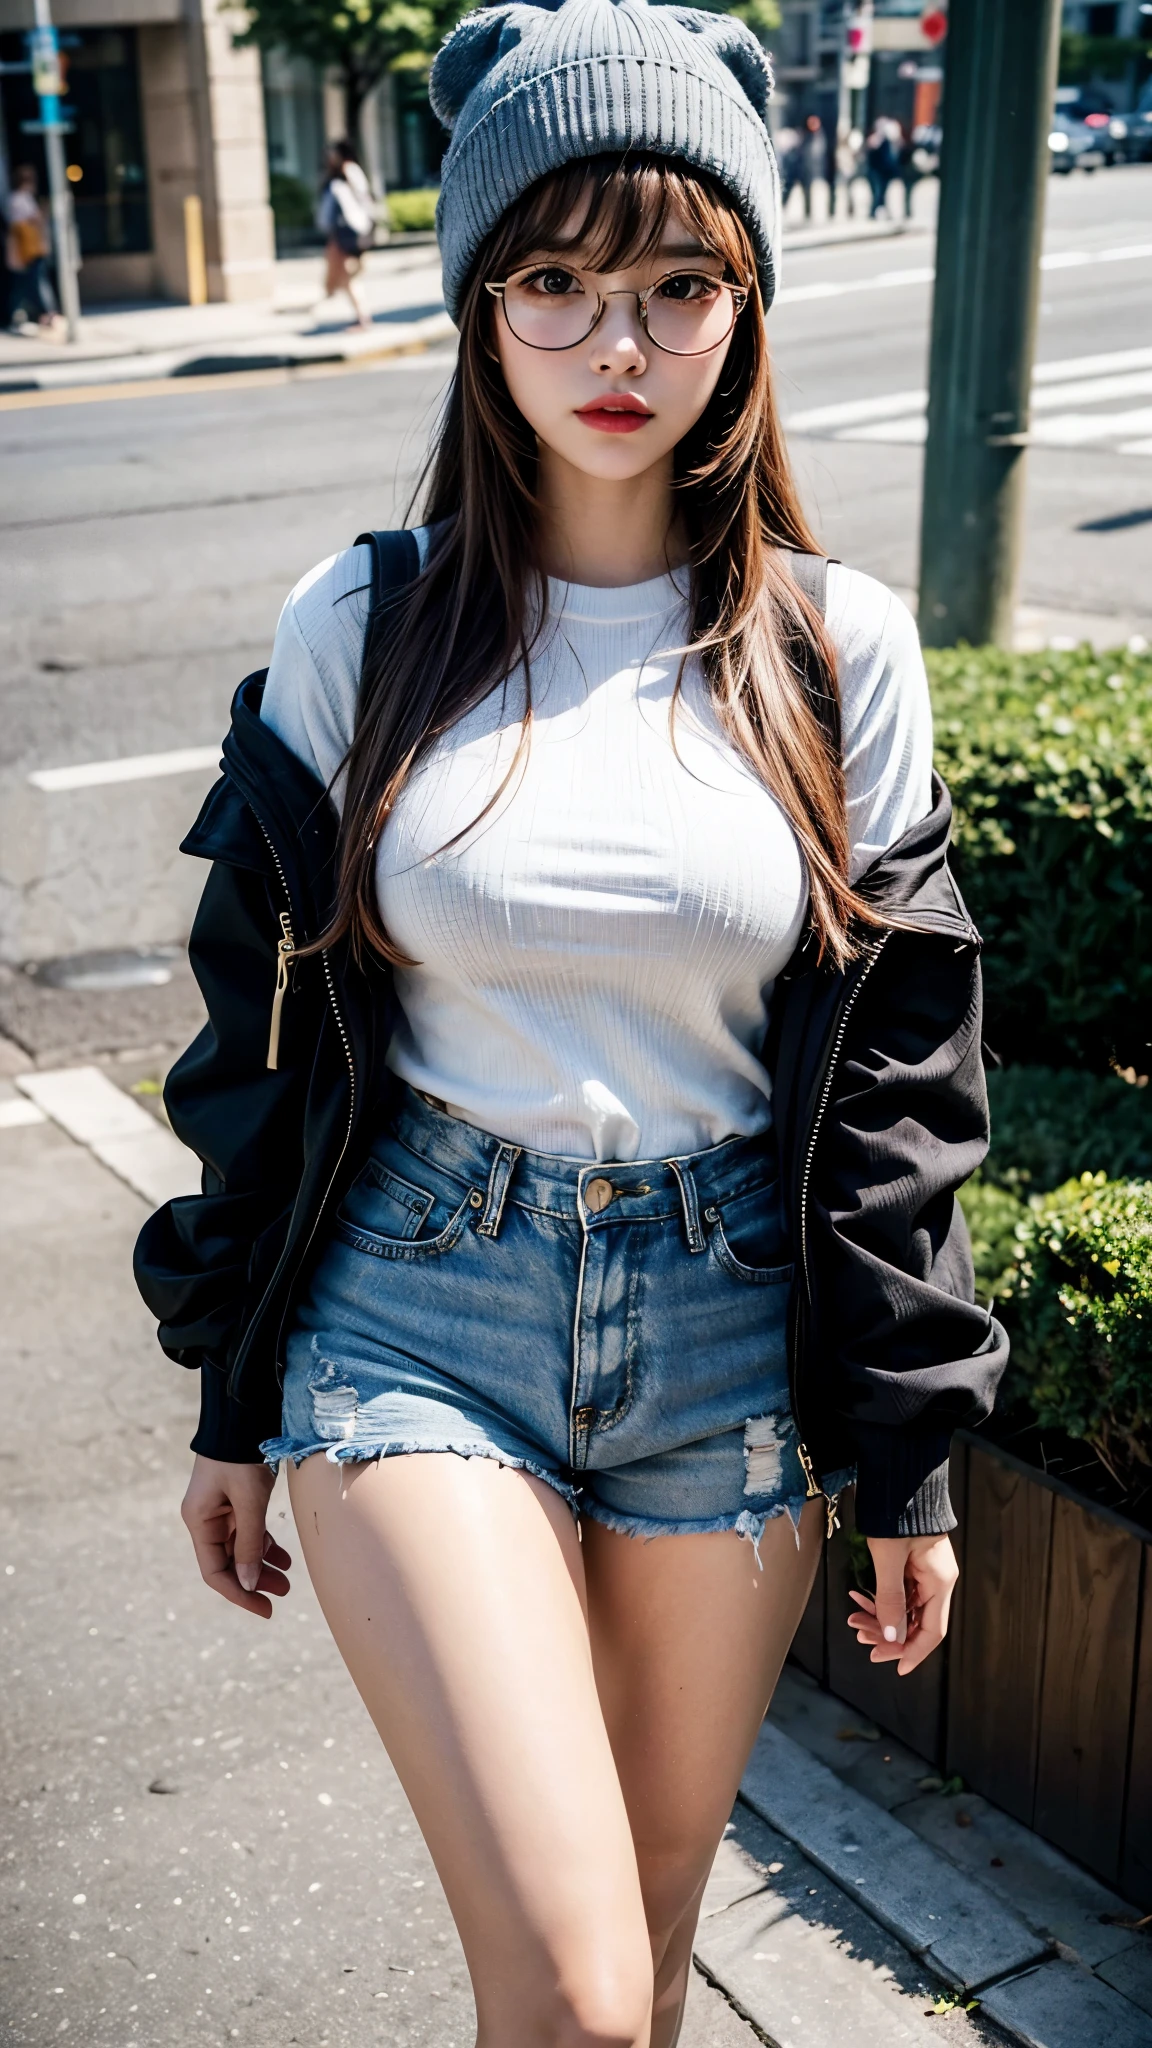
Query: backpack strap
(395, 564)
(811, 573)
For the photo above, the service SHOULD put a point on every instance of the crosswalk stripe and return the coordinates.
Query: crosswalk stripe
(898, 417)
(887, 280)
(1092, 390)
(129, 768)
(1072, 429)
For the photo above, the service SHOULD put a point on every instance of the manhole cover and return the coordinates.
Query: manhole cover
(91, 973)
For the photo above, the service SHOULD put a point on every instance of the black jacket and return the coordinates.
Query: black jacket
(880, 1113)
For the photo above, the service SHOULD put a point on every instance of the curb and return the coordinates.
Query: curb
(972, 1940)
(830, 235)
(172, 365)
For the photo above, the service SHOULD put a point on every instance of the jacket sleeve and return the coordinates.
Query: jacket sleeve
(912, 1355)
(202, 1261)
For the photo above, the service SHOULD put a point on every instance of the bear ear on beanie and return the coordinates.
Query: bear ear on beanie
(734, 44)
(469, 51)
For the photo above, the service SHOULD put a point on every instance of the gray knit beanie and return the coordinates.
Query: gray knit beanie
(525, 89)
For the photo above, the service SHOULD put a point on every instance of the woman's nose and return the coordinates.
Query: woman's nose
(619, 341)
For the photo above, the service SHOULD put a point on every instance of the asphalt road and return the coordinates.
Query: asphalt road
(146, 544)
(201, 1839)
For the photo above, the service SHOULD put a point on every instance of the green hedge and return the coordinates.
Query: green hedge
(293, 202)
(1049, 1125)
(1048, 760)
(1076, 1295)
(410, 212)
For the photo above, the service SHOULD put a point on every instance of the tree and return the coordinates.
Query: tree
(362, 39)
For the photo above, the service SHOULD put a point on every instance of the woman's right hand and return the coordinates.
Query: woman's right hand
(224, 1510)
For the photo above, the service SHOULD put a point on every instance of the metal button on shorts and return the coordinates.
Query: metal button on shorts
(621, 1338)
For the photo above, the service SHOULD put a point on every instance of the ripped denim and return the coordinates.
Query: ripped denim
(616, 1330)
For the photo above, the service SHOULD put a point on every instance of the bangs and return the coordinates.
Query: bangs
(613, 211)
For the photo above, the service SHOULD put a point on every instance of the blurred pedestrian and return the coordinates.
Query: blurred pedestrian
(31, 300)
(920, 159)
(347, 218)
(813, 159)
(788, 158)
(882, 160)
(849, 145)
(552, 853)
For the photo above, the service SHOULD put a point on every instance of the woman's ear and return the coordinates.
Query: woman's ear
(737, 48)
(465, 57)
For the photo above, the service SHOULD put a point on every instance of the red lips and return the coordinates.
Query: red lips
(618, 412)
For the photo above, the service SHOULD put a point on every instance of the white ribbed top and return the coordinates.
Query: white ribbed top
(597, 957)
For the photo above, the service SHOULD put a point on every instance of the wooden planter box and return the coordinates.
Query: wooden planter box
(1041, 1698)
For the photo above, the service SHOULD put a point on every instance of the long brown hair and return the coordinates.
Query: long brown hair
(462, 625)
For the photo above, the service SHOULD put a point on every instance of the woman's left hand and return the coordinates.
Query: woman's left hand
(908, 1619)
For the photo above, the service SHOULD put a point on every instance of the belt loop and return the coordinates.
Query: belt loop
(498, 1181)
(697, 1242)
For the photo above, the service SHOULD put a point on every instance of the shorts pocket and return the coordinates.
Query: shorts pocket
(748, 1239)
(390, 1217)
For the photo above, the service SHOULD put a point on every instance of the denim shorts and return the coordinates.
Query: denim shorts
(616, 1330)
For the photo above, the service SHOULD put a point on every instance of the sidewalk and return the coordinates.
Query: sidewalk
(188, 1792)
(401, 288)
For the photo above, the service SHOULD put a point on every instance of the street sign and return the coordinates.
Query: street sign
(44, 52)
(858, 34)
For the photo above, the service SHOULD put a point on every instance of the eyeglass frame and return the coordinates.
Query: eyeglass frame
(740, 294)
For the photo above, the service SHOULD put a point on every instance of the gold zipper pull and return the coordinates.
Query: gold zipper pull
(284, 951)
(806, 1462)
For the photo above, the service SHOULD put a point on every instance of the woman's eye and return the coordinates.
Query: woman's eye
(553, 283)
(687, 286)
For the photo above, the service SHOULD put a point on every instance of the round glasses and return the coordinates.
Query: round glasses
(687, 313)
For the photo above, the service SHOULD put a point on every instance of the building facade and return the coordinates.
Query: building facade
(163, 107)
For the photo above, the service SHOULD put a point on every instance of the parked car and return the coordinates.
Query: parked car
(1113, 131)
(1139, 128)
(1073, 146)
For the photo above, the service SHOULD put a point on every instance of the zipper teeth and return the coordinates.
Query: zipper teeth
(276, 858)
(345, 1042)
(822, 1105)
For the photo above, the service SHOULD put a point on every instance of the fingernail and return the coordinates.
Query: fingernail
(249, 1576)
(889, 1634)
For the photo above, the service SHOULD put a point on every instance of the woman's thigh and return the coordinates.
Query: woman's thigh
(454, 1590)
(688, 1638)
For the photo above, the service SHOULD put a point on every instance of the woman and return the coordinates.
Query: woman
(631, 975)
(346, 219)
(30, 296)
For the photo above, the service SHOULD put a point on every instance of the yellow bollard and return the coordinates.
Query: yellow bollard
(194, 251)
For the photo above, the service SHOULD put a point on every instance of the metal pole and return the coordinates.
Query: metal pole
(998, 99)
(63, 228)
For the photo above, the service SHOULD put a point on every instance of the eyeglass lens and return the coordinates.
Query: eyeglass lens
(688, 313)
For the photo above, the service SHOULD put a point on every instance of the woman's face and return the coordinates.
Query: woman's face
(613, 405)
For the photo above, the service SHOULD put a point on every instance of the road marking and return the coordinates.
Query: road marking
(854, 411)
(130, 768)
(416, 356)
(1073, 429)
(121, 1135)
(887, 280)
(19, 1111)
(1091, 366)
(1092, 390)
(898, 417)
